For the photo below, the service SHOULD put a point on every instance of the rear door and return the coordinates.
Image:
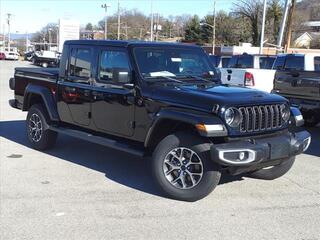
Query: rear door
(74, 100)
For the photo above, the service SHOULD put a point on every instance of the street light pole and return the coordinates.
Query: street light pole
(118, 20)
(8, 20)
(151, 24)
(214, 28)
(283, 24)
(105, 6)
(263, 26)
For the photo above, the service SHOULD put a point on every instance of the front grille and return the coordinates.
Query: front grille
(261, 118)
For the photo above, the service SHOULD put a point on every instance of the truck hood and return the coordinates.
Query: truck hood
(205, 97)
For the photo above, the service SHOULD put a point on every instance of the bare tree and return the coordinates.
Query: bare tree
(252, 11)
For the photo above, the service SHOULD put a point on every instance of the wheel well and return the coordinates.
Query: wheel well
(167, 127)
(33, 99)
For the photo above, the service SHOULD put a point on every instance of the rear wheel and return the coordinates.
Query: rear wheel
(38, 134)
(273, 172)
(182, 168)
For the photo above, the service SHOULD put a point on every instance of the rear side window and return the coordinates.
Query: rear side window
(80, 63)
(245, 61)
(295, 63)
(266, 62)
(317, 63)
(233, 62)
(279, 63)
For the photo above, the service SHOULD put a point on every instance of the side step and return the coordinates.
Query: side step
(99, 140)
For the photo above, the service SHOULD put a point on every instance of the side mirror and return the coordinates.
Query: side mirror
(121, 75)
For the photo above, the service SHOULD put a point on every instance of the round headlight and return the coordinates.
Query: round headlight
(232, 117)
(285, 112)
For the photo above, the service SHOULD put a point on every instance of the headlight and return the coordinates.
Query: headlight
(285, 112)
(232, 117)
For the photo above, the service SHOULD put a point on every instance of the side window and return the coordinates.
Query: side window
(233, 62)
(295, 63)
(279, 63)
(225, 62)
(266, 62)
(317, 63)
(112, 62)
(80, 65)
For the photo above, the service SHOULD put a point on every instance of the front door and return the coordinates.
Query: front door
(74, 93)
(112, 100)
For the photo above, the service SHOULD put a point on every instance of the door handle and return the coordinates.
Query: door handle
(229, 71)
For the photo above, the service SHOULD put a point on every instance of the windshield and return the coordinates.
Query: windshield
(170, 62)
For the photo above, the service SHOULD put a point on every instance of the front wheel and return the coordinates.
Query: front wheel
(182, 168)
(273, 172)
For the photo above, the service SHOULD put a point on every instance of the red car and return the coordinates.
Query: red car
(2, 56)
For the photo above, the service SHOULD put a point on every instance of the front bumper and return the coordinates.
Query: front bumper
(260, 151)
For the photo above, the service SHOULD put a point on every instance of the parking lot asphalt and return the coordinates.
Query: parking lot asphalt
(79, 190)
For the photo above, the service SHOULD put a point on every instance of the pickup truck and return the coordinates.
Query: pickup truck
(253, 71)
(162, 101)
(298, 79)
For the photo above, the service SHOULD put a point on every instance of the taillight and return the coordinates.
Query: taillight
(248, 79)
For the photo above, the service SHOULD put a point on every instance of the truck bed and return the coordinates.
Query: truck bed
(51, 73)
(24, 76)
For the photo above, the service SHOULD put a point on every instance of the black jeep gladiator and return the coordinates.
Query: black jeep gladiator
(165, 101)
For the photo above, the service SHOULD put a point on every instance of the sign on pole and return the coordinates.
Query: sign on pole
(68, 30)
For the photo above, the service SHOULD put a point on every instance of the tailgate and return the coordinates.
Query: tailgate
(233, 76)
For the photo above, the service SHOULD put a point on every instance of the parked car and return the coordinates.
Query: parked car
(28, 56)
(298, 79)
(12, 56)
(161, 100)
(220, 61)
(46, 59)
(2, 56)
(253, 71)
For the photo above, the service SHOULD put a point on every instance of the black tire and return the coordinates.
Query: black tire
(273, 172)
(47, 137)
(311, 119)
(211, 173)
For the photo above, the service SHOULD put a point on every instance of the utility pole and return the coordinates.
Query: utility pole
(289, 29)
(49, 33)
(151, 24)
(8, 21)
(105, 6)
(118, 20)
(263, 26)
(283, 23)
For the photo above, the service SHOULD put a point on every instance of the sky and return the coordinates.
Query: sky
(31, 15)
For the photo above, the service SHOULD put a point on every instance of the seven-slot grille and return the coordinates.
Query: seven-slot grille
(258, 118)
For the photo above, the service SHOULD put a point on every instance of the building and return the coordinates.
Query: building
(91, 34)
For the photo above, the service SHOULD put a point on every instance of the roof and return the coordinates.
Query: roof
(118, 43)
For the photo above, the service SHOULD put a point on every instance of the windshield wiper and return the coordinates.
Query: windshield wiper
(161, 79)
(196, 78)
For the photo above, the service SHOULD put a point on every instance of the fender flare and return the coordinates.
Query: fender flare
(191, 118)
(47, 98)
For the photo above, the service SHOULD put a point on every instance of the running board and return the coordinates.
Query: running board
(99, 140)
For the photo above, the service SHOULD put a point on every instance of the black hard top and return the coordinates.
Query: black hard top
(118, 43)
